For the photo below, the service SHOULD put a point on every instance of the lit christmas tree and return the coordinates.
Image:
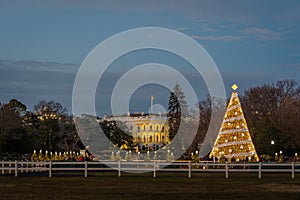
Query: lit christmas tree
(234, 141)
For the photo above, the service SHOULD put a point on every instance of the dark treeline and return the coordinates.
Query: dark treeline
(48, 127)
(271, 110)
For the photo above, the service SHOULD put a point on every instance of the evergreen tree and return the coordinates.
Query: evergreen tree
(183, 108)
(177, 107)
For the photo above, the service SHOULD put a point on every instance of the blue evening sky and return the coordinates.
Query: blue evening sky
(42, 43)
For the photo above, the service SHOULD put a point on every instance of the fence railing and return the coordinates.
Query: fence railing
(16, 167)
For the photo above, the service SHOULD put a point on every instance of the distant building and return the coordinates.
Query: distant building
(149, 131)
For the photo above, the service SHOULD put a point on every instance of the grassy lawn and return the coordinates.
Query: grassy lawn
(143, 186)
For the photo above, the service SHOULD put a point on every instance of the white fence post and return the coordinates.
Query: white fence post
(259, 170)
(226, 169)
(85, 168)
(50, 169)
(2, 166)
(32, 165)
(119, 169)
(190, 169)
(16, 168)
(293, 169)
(9, 171)
(154, 169)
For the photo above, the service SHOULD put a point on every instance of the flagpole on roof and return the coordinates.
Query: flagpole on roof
(151, 104)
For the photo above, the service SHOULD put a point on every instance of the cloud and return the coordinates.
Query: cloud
(207, 29)
(264, 34)
(218, 10)
(31, 81)
(284, 65)
(224, 38)
(30, 65)
(179, 29)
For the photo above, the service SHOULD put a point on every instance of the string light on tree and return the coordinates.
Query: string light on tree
(234, 140)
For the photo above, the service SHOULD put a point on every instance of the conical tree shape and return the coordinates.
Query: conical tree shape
(234, 141)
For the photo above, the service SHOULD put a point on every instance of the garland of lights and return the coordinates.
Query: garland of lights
(233, 131)
(234, 94)
(233, 143)
(234, 107)
(239, 155)
(233, 119)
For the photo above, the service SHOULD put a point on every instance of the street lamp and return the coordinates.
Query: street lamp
(272, 148)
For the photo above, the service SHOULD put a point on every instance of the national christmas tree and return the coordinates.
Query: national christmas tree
(234, 141)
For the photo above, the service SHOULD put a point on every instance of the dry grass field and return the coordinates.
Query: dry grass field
(143, 186)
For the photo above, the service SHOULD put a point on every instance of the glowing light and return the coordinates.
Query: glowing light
(234, 87)
(272, 142)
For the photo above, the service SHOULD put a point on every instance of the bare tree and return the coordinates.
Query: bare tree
(272, 112)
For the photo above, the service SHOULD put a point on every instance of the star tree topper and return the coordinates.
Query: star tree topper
(234, 87)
